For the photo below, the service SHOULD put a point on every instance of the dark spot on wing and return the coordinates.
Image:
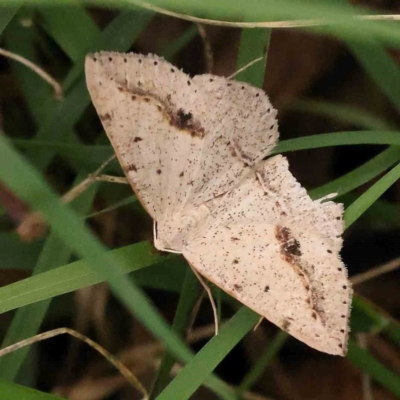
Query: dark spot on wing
(131, 167)
(159, 171)
(285, 324)
(181, 174)
(137, 139)
(314, 315)
(105, 117)
(290, 247)
(238, 288)
(266, 289)
(184, 118)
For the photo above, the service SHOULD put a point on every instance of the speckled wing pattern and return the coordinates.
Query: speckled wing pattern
(277, 251)
(193, 150)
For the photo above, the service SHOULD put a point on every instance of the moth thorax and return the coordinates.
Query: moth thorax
(174, 230)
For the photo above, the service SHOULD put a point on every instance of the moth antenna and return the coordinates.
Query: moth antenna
(210, 296)
(124, 371)
(248, 65)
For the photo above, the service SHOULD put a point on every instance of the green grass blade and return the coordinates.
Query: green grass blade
(72, 277)
(7, 14)
(12, 391)
(356, 209)
(338, 139)
(265, 359)
(208, 358)
(360, 175)
(363, 360)
(27, 320)
(71, 27)
(339, 17)
(187, 300)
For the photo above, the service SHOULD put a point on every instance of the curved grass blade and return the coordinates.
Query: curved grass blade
(356, 209)
(360, 175)
(71, 27)
(338, 139)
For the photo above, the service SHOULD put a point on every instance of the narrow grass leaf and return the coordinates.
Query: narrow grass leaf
(356, 209)
(338, 139)
(72, 277)
(360, 175)
(187, 300)
(71, 27)
(208, 358)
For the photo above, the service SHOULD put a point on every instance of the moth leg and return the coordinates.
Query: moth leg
(210, 296)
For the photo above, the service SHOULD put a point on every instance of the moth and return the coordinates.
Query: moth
(193, 150)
